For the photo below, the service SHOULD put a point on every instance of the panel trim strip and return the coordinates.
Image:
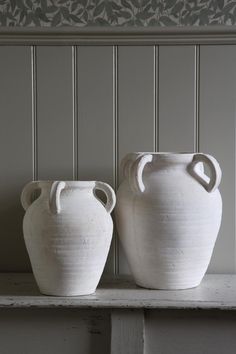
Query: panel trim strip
(34, 113)
(115, 148)
(197, 100)
(219, 34)
(75, 111)
(156, 98)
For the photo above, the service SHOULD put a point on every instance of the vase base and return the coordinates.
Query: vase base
(67, 294)
(168, 287)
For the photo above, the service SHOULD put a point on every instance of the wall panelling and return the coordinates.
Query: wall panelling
(73, 111)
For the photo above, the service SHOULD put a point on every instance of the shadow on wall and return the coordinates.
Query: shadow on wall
(13, 254)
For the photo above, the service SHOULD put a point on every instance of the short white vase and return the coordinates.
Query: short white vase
(68, 233)
(168, 216)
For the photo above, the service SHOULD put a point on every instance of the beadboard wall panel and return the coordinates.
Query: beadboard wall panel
(95, 113)
(171, 332)
(177, 98)
(95, 120)
(54, 113)
(135, 107)
(15, 152)
(73, 112)
(217, 137)
(50, 331)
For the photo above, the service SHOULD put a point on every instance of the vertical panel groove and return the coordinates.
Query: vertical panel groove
(75, 111)
(156, 98)
(197, 98)
(115, 147)
(34, 112)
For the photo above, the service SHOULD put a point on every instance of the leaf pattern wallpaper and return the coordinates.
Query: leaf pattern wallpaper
(135, 13)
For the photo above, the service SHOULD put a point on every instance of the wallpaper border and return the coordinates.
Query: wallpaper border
(116, 13)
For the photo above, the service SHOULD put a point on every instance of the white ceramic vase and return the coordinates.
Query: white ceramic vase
(168, 216)
(68, 233)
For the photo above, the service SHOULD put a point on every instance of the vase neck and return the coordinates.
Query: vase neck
(71, 187)
(169, 159)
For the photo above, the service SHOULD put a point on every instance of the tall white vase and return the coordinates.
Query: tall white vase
(68, 233)
(168, 216)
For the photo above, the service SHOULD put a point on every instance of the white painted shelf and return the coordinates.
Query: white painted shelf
(216, 292)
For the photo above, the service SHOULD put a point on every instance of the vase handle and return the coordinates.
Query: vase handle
(110, 194)
(54, 196)
(126, 164)
(215, 171)
(136, 174)
(27, 192)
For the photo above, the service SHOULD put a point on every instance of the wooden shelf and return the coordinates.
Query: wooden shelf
(216, 292)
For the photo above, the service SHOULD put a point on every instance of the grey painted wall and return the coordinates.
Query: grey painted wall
(74, 112)
(43, 331)
(67, 331)
(190, 332)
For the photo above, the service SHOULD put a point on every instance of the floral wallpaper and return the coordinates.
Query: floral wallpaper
(135, 13)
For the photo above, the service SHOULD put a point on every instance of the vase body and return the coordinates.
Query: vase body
(168, 215)
(67, 232)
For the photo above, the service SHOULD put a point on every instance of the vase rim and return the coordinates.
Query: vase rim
(69, 183)
(169, 157)
(167, 153)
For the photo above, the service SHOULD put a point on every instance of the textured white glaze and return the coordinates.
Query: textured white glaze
(67, 232)
(168, 216)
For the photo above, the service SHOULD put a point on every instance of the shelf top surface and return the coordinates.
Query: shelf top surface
(19, 290)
